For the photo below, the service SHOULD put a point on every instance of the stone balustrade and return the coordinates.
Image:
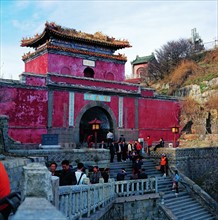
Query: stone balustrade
(77, 201)
(39, 193)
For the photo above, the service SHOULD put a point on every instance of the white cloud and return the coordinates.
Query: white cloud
(21, 5)
(11, 61)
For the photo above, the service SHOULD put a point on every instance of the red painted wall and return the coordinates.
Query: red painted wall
(128, 112)
(75, 66)
(37, 65)
(35, 80)
(27, 107)
(157, 117)
(27, 112)
(60, 109)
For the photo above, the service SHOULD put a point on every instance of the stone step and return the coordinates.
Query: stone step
(164, 182)
(205, 216)
(189, 214)
(190, 208)
(178, 205)
(184, 207)
(171, 195)
(178, 200)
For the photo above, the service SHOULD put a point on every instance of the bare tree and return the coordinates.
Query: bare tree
(169, 56)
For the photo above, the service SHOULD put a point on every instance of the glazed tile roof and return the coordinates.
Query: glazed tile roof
(67, 34)
(140, 60)
(120, 57)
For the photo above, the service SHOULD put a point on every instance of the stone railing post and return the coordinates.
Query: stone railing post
(55, 191)
(86, 181)
(37, 181)
(156, 184)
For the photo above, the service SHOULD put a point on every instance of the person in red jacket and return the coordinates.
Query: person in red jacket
(4, 191)
(163, 164)
(149, 145)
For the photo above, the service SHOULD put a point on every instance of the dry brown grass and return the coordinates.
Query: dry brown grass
(183, 71)
(189, 72)
(180, 75)
(212, 102)
(211, 57)
(190, 107)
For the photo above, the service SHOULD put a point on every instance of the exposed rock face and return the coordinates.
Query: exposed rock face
(204, 123)
(201, 124)
(201, 92)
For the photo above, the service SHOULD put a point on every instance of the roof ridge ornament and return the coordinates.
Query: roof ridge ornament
(52, 29)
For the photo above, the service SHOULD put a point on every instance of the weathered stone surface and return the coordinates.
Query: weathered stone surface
(37, 181)
(73, 155)
(36, 209)
(55, 187)
(197, 92)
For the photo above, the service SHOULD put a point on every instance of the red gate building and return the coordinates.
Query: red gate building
(73, 77)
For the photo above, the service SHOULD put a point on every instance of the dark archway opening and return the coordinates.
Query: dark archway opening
(85, 128)
(89, 72)
(208, 124)
(188, 127)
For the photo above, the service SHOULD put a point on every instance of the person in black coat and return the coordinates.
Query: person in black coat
(112, 148)
(105, 175)
(124, 150)
(161, 144)
(142, 174)
(122, 138)
(67, 176)
(119, 152)
(121, 175)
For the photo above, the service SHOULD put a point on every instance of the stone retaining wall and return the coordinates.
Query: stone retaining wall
(193, 162)
(134, 207)
(14, 167)
(88, 156)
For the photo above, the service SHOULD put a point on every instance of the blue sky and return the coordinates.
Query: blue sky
(147, 25)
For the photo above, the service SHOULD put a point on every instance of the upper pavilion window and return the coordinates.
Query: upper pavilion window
(89, 72)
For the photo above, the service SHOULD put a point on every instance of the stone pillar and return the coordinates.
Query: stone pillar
(37, 181)
(55, 191)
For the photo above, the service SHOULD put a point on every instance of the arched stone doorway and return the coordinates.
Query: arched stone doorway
(89, 115)
(78, 131)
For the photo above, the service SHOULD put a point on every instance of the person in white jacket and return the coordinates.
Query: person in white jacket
(80, 175)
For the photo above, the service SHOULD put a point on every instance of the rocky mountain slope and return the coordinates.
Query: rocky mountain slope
(195, 83)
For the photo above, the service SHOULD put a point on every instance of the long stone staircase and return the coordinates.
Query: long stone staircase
(183, 207)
